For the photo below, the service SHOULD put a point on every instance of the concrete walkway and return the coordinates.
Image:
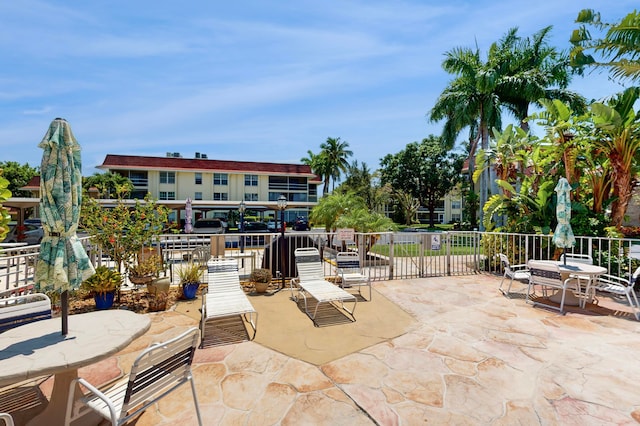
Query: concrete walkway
(472, 357)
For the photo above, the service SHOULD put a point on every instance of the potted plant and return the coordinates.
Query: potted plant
(261, 278)
(158, 302)
(190, 275)
(145, 270)
(103, 286)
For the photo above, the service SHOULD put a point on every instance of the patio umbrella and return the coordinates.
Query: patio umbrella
(563, 235)
(63, 263)
(188, 227)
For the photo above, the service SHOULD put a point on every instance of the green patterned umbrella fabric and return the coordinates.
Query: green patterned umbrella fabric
(63, 263)
(563, 235)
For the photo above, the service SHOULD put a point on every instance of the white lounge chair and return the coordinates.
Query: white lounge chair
(350, 272)
(621, 287)
(23, 309)
(513, 272)
(311, 282)
(156, 372)
(225, 297)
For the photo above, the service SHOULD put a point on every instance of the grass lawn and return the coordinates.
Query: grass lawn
(411, 249)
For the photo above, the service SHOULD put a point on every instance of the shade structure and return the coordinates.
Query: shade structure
(188, 211)
(63, 263)
(563, 236)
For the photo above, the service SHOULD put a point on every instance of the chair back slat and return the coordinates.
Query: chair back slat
(159, 368)
(308, 263)
(222, 275)
(544, 273)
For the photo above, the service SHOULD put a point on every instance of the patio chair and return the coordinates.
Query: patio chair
(513, 272)
(577, 257)
(16, 311)
(201, 256)
(156, 372)
(619, 286)
(350, 272)
(547, 276)
(225, 297)
(311, 282)
(20, 310)
(7, 419)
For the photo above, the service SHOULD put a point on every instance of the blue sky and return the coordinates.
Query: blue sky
(258, 80)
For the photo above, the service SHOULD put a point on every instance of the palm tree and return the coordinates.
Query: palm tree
(319, 166)
(469, 101)
(533, 71)
(620, 47)
(335, 153)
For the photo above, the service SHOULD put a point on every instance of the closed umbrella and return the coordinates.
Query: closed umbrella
(188, 227)
(63, 263)
(563, 235)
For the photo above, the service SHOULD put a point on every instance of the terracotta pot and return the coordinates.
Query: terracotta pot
(160, 285)
(261, 287)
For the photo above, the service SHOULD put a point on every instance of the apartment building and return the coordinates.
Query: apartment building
(217, 186)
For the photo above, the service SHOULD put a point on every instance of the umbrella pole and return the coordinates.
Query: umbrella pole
(64, 307)
(564, 256)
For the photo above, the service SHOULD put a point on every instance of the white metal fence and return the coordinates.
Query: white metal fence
(386, 255)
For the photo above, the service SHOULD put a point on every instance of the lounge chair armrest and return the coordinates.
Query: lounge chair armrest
(611, 279)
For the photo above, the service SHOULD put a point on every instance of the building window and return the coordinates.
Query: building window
(167, 177)
(220, 196)
(455, 217)
(250, 197)
(167, 195)
(198, 178)
(220, 179)
(250, 180)
(455, 204)
(197, 196)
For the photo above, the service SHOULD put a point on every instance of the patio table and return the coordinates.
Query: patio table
(39, 349)
(576, 268)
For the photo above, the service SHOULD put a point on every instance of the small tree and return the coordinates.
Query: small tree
(122, 231)
(425, 171)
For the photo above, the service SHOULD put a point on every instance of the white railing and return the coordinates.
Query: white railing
(387, 255)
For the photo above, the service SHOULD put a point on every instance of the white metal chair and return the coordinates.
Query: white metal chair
(547, 276)
(23, 309)
(156, 372)
(513, 272)
(225, 297)
(621, 287)
(8, 420)
(350, 272)
(311, 282)
(577, 257)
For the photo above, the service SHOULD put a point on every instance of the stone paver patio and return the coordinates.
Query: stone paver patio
(472, 357)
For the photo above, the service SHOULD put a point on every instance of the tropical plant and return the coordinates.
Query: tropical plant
(5, 218)
(190, 273)
(109, 185)
(104, 280)
(618, 137)
(149, 266)
(619, 48)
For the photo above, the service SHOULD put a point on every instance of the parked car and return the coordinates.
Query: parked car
(208, 226)
(256, 227)
(274, 226)
(31, 234)
(301, 224)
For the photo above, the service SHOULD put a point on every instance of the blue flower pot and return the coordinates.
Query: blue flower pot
(104, 300)
(189, 290)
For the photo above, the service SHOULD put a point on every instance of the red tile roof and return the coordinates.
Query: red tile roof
(126, 162)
